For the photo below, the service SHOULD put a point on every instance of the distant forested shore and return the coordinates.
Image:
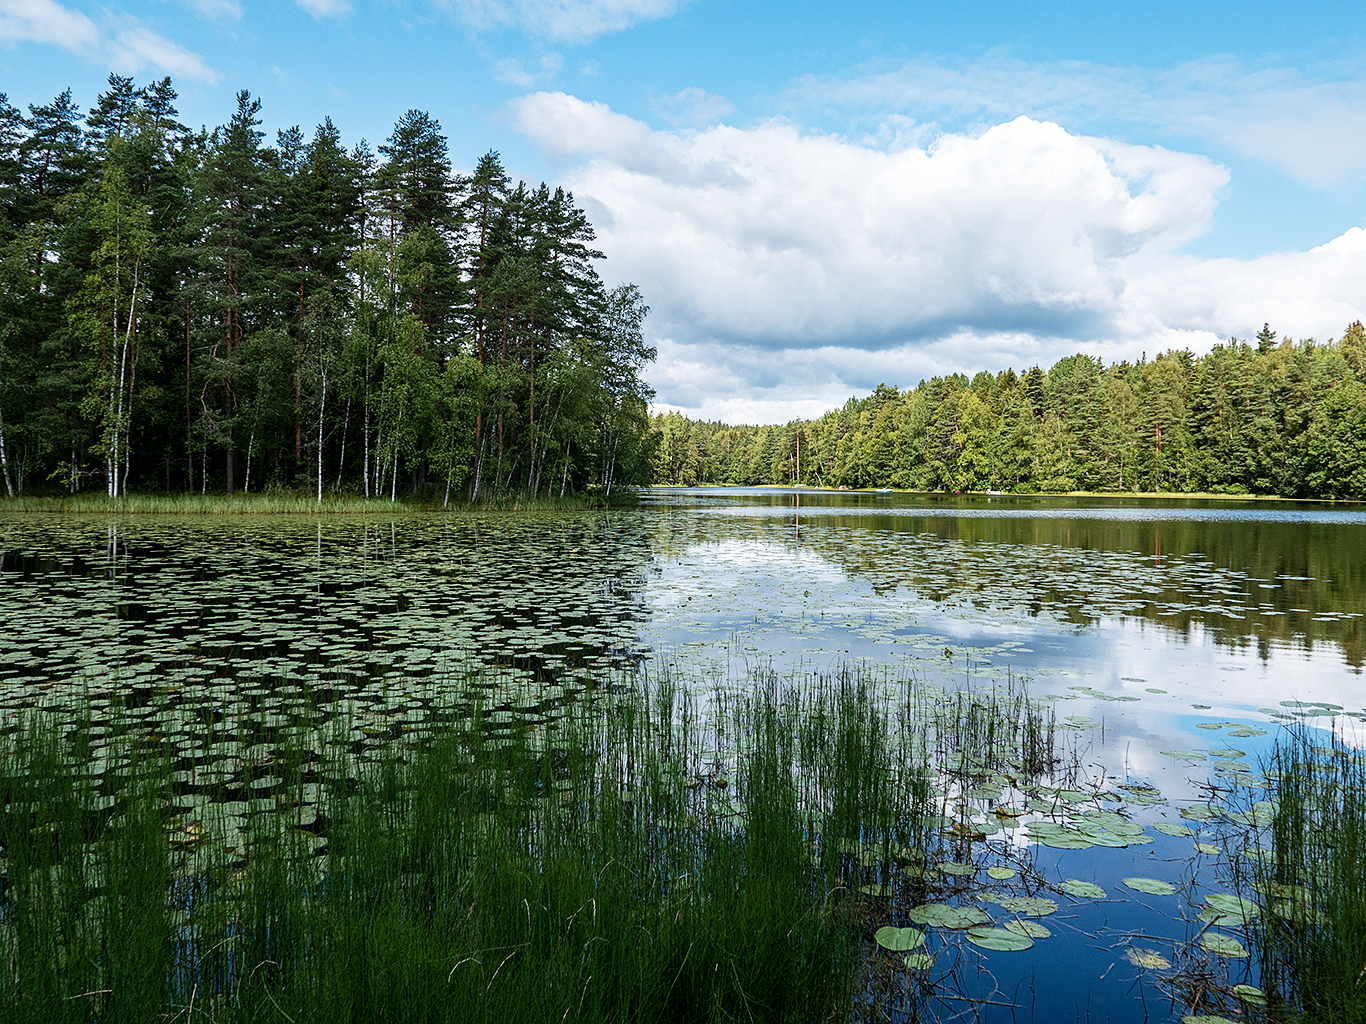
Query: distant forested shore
(1270, 417)
(196, 311)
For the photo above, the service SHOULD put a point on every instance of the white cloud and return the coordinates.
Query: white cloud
(785, 266)
(564, 20)
(134, 48)
(215, 9)
(514, 70)
(42, 21)
(321, 9)
(692, 107)
(1311, 126)
(124, 43)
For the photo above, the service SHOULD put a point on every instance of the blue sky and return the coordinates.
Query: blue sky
(816, 198)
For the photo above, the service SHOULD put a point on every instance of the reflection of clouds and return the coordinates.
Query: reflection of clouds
(748, 597)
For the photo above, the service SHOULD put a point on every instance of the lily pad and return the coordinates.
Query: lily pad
(999, 939)
(1208, 848)
(1000, 873)
(919, 961)
(1151, 886)
(1250, 994)
(1168, 829)
(1076, 887)
(1030, 906)
(1064, 842)
(1031, 928)
(1148, 959)
(941, 915)
(955, 868)
(1232, 909)
(899, 940)
(1223, 945)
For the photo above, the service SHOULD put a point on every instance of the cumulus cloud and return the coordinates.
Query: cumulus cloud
(123, 43)
(808, 264)
(571, 21)
(1309, 125)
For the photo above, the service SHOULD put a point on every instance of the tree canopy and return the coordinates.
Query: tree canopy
(203, 311)
(1281, 417)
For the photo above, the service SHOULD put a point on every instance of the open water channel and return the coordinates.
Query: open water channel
(1174, 639)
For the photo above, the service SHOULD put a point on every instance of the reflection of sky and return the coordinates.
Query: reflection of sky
(767, 598)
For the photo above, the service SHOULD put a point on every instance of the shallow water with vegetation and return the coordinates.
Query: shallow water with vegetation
(1163, 647)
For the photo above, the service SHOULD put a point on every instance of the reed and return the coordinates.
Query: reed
(300, 503)
(1310, 877)
(638, 855)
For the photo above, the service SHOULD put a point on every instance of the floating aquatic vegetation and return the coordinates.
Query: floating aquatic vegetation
(1148, 959)
(1151, 886)
(1001, 940)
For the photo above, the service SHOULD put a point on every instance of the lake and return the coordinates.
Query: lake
(1173, 639)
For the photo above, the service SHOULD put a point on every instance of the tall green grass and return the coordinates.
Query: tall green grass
(1310, 939)
(640, 856)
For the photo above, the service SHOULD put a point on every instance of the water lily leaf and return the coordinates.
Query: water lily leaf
(1000, 873)
(919, 961)
(1228, 752)
(1168, 829)
(1184, 755)
(1198, 812)
(1223, 945)
(1031, 928)
(941, 915)
(899, 940)
(999, 939)
(1208, 848)
(1148, 959)
(1076, 887)
(1030, 906)
(955, 868)
(1250, 994)
(1151, 886)
(1064, 842)
(1206, 1019)
(1232, 909)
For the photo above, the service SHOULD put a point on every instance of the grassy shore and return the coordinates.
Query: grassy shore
(298, 503)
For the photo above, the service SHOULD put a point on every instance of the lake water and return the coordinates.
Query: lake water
(1187, 627)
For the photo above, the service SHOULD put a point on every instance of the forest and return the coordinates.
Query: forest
(1266, 418)
(198, 311)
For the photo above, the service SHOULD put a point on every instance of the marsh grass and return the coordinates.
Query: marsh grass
(1309, 874)
(631, 859)
(301, 503)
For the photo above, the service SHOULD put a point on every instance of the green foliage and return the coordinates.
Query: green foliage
(1287, 419)
(207, 312)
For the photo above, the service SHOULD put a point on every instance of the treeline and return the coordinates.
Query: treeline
(196, 310)
(1286, 418)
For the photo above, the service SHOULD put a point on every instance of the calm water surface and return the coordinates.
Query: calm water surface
(1175, 626)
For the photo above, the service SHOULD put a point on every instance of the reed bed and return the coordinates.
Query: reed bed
(635, 856)
(1306, 868)
(301, 503)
